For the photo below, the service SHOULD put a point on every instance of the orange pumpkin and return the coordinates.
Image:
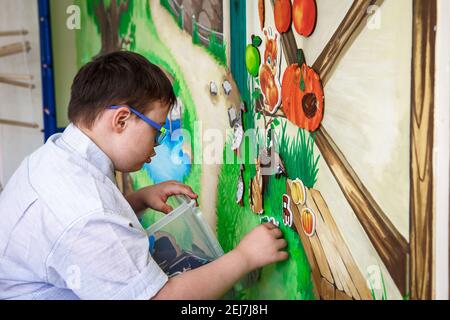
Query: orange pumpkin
(308, 219)
(283, 15)
(304, 14)
(302, 96)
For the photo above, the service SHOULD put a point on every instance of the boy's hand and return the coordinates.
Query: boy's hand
(156, 196)
(262, 246)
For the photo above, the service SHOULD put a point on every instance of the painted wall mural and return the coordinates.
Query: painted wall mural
(350, 233)
(318, 105)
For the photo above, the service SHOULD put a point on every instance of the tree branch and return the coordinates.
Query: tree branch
(350, 26)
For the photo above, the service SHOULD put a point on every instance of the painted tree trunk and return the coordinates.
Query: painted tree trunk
(109, 20)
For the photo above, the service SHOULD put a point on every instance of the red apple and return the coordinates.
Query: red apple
(283, 15)
(304, 14)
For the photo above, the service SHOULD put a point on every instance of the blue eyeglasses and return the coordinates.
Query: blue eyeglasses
(161, 131)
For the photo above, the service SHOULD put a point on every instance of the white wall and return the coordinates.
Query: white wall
(18, 103)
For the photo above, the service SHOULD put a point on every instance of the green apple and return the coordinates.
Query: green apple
(252, 56)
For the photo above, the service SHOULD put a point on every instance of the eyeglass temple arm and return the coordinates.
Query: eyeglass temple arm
(143, 117)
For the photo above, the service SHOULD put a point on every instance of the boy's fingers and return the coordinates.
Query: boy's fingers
(277, 233)
(184, 189)
(189, 192)
(270, 225)
(282, 255)
(166, 208)
(281, 244)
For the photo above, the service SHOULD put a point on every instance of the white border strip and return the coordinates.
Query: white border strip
(441, 153)
(2, 181)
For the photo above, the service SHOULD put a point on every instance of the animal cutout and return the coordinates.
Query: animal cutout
(288, 217)
(269, 72)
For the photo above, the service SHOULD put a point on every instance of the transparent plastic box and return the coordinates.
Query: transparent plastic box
(183, 240)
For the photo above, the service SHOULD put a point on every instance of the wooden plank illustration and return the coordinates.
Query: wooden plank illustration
(422, 141)
(338, 277)
(315, 271)
(357, 278)
(333, 257)
(323, 242)
(327, 289)
(391, 246)
(321, 257)
(342, 296)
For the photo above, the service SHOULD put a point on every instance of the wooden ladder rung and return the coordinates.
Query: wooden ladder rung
(16, 76)
(17, 83)
(19, 123)
(14, 48)
(10, 33)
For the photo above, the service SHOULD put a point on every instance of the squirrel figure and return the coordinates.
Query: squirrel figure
(269, 72)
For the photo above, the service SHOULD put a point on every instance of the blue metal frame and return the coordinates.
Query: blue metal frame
(48, 86)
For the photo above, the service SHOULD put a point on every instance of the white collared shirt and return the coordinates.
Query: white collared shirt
(66, 231)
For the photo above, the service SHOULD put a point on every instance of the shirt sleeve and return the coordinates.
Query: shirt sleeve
(102, 256)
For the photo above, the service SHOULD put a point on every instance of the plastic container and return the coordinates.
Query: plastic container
(182, 240)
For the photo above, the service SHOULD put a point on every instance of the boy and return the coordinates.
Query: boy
(67, 232)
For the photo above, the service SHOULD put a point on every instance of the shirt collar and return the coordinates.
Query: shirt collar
(86, 148)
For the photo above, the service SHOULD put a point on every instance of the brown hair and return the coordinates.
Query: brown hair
(117, 78)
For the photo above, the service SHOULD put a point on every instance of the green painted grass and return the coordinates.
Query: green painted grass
(286, 280)
(298, 155)
(290, 279)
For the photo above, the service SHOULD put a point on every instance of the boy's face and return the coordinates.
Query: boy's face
(135, 143)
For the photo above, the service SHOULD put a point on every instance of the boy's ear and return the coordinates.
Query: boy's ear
(119, 119)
